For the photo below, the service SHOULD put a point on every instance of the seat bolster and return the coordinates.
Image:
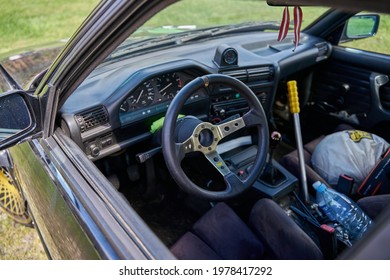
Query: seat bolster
(190, 247)
(223, 231)
(291, 163)
(311, 146)
(374, 205)
(284, 238)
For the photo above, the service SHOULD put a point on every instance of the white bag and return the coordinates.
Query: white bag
(350, 152)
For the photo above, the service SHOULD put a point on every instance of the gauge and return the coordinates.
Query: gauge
(168, 85)
(124, 106)
(230, 56)
(142, 96)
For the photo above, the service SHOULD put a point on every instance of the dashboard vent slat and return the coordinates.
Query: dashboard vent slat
(260, 74)
(239, 74)
(91, 118)
(251, 74)
(323, 51)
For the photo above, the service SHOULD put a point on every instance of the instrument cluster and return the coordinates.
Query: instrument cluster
(154, 95)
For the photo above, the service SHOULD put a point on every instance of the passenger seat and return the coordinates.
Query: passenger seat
(291, 160)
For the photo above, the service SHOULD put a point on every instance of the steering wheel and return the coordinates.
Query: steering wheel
(194, 135)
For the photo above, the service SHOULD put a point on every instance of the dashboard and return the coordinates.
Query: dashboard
(115, 107)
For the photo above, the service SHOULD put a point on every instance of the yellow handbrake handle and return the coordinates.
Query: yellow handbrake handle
(292, 91)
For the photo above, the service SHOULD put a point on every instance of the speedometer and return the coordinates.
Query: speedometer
(141, 97)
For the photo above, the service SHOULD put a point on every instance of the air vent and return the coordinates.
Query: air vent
(239, 74)
(91, 118)
(260, 74)
(323, 51)
(252, 74)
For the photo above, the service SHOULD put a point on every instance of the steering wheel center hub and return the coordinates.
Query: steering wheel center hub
(206, 137)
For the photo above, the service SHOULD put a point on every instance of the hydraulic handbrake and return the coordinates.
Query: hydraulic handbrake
(294, 110)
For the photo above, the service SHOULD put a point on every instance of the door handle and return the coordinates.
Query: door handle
(381, 80)
(376, 81)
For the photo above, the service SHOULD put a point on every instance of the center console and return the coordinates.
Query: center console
(275, 181)
(282, 184)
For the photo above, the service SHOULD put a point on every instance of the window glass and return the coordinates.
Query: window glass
(191, 15)
(4, 85)
(379, 43)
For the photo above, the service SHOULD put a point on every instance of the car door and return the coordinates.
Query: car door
(77, 212)
(353, 85)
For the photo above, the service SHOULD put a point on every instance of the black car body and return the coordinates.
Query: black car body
(89, 163)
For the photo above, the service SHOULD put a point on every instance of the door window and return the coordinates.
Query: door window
(379, 43)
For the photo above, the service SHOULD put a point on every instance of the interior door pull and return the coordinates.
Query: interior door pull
(381, 80)
(377, 111)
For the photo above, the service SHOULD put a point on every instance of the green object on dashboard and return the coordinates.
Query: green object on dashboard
(156, 125)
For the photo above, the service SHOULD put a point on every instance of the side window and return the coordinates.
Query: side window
(4, 86)
(379, 43)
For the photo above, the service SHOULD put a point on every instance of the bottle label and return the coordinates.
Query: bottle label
(328, 211)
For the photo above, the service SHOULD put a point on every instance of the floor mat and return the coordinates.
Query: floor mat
(169, 216)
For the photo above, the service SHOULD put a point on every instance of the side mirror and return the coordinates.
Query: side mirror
(17, 120)
(360, 27)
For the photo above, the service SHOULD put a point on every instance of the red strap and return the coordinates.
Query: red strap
(298, 15)
(284, 25)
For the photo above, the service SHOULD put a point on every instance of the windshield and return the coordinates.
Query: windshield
(190, 16)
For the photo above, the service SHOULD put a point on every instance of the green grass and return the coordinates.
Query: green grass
(237, 11)
(18, 242)
(29, 23)
(203, 13)
(380, 43)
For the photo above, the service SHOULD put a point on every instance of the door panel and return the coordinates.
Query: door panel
(352, 86)
(343, 86)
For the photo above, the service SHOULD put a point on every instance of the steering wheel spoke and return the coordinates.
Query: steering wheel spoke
(253, 118)
(234, 183)
(216, 160)
(227, 128)
(184, 148)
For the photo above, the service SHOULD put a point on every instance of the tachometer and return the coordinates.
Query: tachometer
(168, 85)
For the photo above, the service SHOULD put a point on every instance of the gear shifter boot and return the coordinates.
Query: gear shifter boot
(272, 176)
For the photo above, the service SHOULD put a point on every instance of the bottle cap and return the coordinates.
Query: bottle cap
(319, 187)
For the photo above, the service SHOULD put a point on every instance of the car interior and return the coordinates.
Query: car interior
(131, 110)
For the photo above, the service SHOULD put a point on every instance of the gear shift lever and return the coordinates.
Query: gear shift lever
(276, 138)
(270, 174)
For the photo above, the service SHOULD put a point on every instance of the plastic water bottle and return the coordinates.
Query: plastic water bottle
(339, 208)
